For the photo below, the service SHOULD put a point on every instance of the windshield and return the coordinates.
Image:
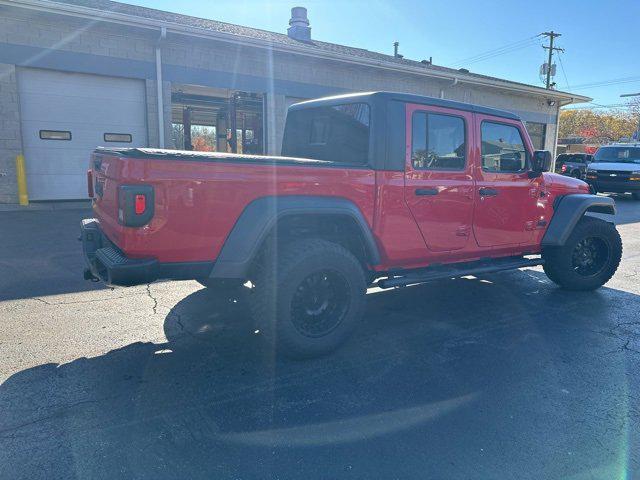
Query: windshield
(618, 155)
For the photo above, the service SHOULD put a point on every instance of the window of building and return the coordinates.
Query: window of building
(503, 149)
(538, 133)
(438, 142)
(338, 133)
(55, 135)
(118, 137)
(212, 119)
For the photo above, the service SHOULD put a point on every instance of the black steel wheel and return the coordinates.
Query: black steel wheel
(309, 296)
(320, 303)
(589, 258)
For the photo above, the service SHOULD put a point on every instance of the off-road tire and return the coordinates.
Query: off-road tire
(221, 284)
(560, 262)
(279, 278)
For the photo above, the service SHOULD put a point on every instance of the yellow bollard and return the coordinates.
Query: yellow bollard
(21, 175)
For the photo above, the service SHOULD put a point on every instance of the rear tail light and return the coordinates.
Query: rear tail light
(140, 203)
(90, 183)
(135, 205)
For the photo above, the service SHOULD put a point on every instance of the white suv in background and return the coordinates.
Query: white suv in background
(616, 169)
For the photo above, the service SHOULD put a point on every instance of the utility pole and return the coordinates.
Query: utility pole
(551, 49)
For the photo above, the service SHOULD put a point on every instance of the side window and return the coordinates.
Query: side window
(438, 142)
(503, 149)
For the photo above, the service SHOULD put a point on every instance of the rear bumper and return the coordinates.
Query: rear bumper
(107, 263)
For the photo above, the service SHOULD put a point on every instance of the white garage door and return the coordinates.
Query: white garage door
(65, 116)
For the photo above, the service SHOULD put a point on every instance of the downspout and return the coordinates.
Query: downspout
(453, 83)
(163, 36)
(554, 151)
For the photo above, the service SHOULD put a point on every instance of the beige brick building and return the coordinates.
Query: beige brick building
(79, 73)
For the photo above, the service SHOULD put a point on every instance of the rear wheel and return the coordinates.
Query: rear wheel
(589, 258)
(309, 299)
(220, 283)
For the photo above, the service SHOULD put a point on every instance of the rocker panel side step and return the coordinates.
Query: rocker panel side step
(460, 270)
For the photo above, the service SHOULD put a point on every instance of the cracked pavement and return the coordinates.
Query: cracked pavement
(503, 376)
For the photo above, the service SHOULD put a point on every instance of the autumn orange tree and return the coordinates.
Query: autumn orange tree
(599, 126)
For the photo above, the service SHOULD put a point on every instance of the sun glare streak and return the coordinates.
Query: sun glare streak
(351, 429)
(61, 43)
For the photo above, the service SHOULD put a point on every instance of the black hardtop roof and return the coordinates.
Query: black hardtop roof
(377, 97)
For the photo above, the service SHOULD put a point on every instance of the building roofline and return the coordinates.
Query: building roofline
(442, 73)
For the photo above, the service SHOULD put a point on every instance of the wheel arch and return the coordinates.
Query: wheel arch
(262, 217)
(568, 210)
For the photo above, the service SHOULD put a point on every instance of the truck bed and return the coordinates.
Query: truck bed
(200, 195)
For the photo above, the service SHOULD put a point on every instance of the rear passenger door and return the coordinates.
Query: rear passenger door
(438, 175)
(505, 196)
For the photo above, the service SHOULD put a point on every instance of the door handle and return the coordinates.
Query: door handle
(426, 191)
(488, 192)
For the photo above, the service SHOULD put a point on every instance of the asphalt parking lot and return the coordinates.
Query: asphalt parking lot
(504, 376)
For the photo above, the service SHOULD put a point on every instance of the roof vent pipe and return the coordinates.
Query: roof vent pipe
(299, 28)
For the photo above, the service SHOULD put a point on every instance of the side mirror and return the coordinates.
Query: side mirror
(541, 162)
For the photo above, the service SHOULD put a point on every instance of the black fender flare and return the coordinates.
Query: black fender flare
(568, 211)
(259, 217)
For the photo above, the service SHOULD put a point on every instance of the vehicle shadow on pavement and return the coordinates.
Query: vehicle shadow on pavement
(505, 376)
(41, 254)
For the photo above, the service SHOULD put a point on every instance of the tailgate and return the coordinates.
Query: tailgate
(104, 178)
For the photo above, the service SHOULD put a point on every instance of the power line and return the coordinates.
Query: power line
(595, 106)
(499, 53)
(563, 72)
(508, 48)
(606, 83)
(488, 52)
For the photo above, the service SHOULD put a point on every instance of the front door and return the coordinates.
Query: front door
(505, 196)
(438, 175)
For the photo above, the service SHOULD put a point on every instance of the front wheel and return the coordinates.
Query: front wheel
(309, 298)
(589, 258)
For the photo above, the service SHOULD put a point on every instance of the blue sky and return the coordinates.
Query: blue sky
(600, 37)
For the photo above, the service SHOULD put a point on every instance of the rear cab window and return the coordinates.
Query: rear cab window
(337, 133)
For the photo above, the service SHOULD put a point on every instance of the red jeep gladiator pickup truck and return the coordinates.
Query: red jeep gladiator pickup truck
(375, 188)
